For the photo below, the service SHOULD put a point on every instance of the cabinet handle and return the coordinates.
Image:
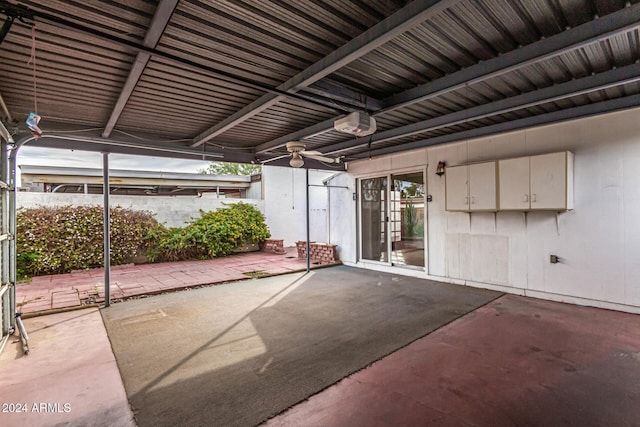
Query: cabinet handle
(533, 198)
(473, 200)
(466, 200)
(525, 198)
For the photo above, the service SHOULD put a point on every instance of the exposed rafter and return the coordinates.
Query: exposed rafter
(557, 92)
(542, 119)
(406, 18)
(602, 28)
(333, 90)
(159, 22)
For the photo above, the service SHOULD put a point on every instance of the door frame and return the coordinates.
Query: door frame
(359, 221)
(388, 175)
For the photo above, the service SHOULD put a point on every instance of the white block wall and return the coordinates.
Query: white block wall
(171, 211)
(598, 242)
(285, 204)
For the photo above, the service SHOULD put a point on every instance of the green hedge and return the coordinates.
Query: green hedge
(211, 235)
(63, 239)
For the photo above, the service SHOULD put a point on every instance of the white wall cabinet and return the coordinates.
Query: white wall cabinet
(471, 188)
(543, 182)
(457, 188)
(514, 184)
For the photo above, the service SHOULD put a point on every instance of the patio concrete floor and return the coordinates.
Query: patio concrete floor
(236, 355)
(70, 376)
(85, 288)
(515, 361)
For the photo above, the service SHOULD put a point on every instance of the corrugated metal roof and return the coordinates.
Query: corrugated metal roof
(216, 58)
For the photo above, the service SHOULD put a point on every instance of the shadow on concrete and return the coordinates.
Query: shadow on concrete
(238, 354)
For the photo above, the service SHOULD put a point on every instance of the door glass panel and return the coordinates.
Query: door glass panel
(407, 219)
(373, 211)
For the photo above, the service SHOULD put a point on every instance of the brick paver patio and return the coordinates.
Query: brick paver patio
(85, 288)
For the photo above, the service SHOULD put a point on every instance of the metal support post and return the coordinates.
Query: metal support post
(107, 231)
(13, 254)
(308, 226)
(7, 309)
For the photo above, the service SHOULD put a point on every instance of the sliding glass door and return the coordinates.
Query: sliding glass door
(392, 214)
(407, 219)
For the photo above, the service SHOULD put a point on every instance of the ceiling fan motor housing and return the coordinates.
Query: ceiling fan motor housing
(295, 146)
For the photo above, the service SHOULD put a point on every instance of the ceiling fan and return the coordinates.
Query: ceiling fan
(298, 153)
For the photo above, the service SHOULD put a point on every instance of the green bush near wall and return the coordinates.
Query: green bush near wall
(67, 238)
(211, 235)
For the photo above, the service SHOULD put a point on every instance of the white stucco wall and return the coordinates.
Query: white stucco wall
(342, 216)
(598, 242)
(254, 191)
(285, 203)
(170, 211)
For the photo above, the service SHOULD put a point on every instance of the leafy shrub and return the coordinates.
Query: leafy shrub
(413, 224)
(62, 239)
(66, 238)
(211, 235)
(410, 220)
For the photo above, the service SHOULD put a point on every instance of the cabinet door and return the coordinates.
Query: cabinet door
(457, 188)
(549, 181)
(513, 181)
(482, 186)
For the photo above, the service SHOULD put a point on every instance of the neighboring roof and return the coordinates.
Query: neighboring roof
(36, 170)
(152, 182)
(235, 81)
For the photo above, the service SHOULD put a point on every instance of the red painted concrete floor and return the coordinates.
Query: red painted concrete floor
(69, 378)
(515, 362)
(64, 291)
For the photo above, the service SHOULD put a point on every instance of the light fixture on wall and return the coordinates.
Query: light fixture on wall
(440, 168)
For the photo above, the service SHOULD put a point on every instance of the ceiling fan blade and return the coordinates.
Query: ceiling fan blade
(324, 159)
(274, 159)
(310, 153)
